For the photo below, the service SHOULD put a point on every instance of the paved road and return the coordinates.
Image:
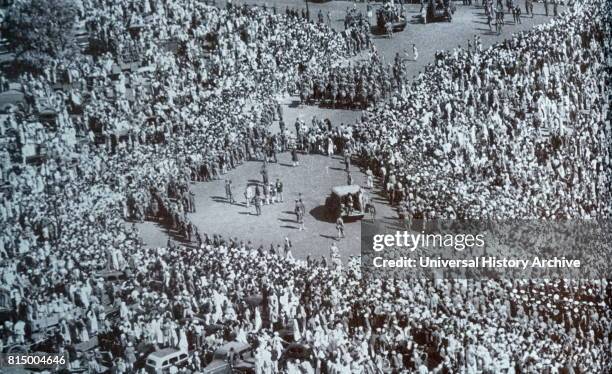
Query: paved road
(468, 21)
(313, 179)
(317, 174)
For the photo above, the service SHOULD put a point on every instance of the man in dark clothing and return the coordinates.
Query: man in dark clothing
(370, 208)
(294, 157)
(517, 14)
(228, 191)
(264, 174)
(258, 204)
(529, 7)
(231, 357)
(299, 212)
(279, 191)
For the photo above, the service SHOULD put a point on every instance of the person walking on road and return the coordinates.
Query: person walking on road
(340, 227)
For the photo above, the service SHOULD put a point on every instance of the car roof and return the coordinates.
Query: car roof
(162, 353)
(297, 345)
(109, 273)
(238, 347)
(345, 190)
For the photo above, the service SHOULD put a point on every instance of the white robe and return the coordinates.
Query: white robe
(258, 321)
(297, 336)
(182, 344)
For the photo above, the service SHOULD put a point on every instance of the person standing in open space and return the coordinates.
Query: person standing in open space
(389, 27)
(300, 210)
(258, 203)
(248, 195)
(287, 248)
(349, 178)
(264, 173)
(529, 7)
(228, 191)
(279, 191)
(267, 193)
(340, 227)
(347, 160)
(371, 209)
(369, 178)
(294, 157)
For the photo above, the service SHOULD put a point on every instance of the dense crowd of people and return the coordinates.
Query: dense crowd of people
(357, 86)
(518, 130)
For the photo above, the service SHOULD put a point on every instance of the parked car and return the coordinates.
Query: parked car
(297, 351)
(346, 202)
(160, 361)
(243, 361)
(440, 10)
(387, 14)
(111, 275)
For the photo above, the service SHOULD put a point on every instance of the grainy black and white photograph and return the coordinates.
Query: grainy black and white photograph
(305, 186)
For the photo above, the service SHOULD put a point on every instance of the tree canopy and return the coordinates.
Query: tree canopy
(40, 30)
